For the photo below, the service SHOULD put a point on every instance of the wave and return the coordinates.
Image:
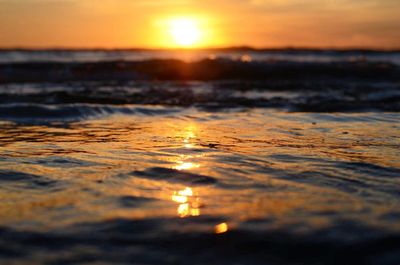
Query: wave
(206, 70)
(42, 114)
(173, 175)
(53, 90)
(87, 99)
(20, 180)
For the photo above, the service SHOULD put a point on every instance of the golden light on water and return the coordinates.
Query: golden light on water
(186, 141)
(182, 195)
(189, 204)
(221, 228)
(186, 166)
(188, 145)
(182, 163)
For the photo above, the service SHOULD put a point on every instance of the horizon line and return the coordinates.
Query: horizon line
(222, 48)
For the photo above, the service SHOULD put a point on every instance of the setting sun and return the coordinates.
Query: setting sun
(188, 31)
(184, 31)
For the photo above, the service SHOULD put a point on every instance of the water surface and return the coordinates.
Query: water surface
(255, 162)
(174, 175)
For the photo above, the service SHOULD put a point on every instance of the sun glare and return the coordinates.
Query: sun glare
(185, 32)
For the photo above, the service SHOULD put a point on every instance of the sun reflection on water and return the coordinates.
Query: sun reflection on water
(188, 136)
(186, 165)
(189, 204)
(221, 228)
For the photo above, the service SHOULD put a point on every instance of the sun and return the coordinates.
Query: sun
(185, 32)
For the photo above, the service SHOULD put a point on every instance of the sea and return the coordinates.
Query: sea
(222, 156)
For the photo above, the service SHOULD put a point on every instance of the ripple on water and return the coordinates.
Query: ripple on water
(129, 178)
(126, 241)
(63, 162)
(173, 175)
(133, 201)
(26, 181)
(371, 169)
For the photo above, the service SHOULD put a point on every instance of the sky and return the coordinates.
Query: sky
(218, 23)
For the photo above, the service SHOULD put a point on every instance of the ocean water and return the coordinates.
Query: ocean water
(212, 161)
(20, 56)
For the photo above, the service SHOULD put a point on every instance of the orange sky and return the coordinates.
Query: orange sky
(143, 23)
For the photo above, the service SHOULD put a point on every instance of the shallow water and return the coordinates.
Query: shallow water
(110, 157)
(174, 185)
